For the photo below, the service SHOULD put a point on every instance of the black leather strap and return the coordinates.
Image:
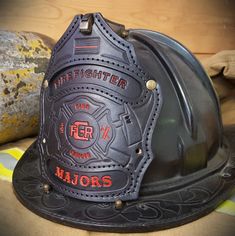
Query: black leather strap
(97, 115)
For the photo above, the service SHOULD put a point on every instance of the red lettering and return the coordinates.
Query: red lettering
(122, 83)
(88, 73)
(107, 181)
(105, 130)
(62, 79)
(106, 75)
(88, 132)
(82, 73)
(55, 84)
(69, 76)
(59, 172)
(82, 106)
(84, 180)
(75, 180)
(79, 155)
(95, 181)
(114, 79)
(61, 128)
(67, 177)
(81, 130)
(97, 74)
(76, 73)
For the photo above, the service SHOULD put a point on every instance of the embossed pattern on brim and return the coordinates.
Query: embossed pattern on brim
(145, 214)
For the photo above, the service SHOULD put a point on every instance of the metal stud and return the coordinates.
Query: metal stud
(84, 25)
(151, 84)
(44, 140)
(138, 151)
(124, 33)
(46, 188)
(226, 175)
(45, 84)
(118, 204)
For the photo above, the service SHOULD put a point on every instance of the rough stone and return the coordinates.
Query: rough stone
(24, 57)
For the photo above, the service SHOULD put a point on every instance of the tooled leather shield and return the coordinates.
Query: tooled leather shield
(126, 144)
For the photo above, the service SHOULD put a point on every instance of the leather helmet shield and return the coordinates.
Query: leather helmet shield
(130, 136)
(102, 115)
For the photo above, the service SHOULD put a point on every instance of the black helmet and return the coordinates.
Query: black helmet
(131, 137)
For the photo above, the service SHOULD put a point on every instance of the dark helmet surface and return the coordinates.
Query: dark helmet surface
(131, 137)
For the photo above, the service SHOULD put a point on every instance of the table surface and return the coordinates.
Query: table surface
(204, 26)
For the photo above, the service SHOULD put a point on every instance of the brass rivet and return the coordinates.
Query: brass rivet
(124, 33)
(45, 84)
(226, 175)
(46, 188)
(118, 204)
(44, 140)
(151, 84)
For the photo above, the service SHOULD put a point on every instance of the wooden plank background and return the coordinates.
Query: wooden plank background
(204, 26)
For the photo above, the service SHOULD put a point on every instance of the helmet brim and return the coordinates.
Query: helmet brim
(152, 212)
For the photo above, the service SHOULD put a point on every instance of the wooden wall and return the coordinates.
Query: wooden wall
(204, 26)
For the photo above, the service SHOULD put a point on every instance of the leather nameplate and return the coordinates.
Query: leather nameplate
(88, 180)
(115, 81)
(95, 134)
